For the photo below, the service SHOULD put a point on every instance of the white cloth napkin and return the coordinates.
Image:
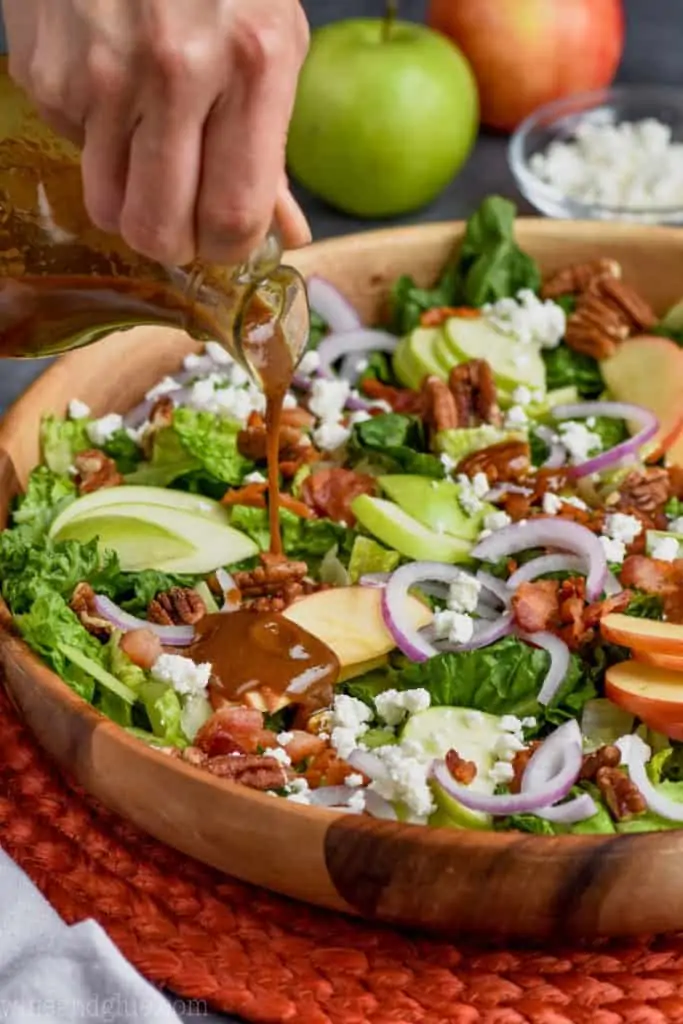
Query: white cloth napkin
(51, 973)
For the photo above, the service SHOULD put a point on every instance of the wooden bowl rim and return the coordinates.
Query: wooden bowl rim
(410, 833)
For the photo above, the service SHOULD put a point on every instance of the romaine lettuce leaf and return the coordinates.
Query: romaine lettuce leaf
(394, 443)
(369, 556)
(47, 494)
(60, 440)
(124, 451)
(566, 368)
(305, 539)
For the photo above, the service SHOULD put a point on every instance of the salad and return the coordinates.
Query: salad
(477, 621)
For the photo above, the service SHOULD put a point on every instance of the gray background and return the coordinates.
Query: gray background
(654, 53)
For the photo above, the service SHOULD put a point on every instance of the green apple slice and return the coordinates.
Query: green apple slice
(473, 734)
(418, 356)
(512, 363)
(100, 502)
(398, 530)
(166, 539)
(435, 504)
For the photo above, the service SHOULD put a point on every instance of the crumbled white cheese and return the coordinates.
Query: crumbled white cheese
(528, 319)
(359, 416)
(78, 410)
(622, 527)
(298, 785)
(356, 804)
(329, 436)
(289, 401)
(284, 738)
(496, 521)
(193, 362)
(354, 780)
(529, 722)
(615, 550)
(164, 387)
(328, 398)
(309, 363)
(551, 504)
(676, 525)
(501, 772)
(299, 798)
(280, 755)
(349, 720)
(406, 782)
(516, 417)
(665, 549)
(254, 478)
(393, 705)
(238, 376)
(521, 396)
(464, 593)
(217, 354)
(507, 745)
(448, 463)
(632, 164)
(578, 440)
(183, 674)
(472, 491)
(376, 403)
(510, 723)
(576, 502)
(100, 431)
(453, 626)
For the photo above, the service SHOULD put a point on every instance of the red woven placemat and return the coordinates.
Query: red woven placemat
(266, 958)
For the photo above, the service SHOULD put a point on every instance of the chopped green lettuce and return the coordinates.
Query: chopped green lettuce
(124, 451)
(368, 555)
(305, 539)
(394, 443)
(488, 266)
(46, 495)
(61, 440)
(566, 368)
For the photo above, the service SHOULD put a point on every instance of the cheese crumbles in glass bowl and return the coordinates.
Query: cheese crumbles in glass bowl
(614, 154)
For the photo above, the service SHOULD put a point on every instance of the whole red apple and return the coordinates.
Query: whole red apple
(528, 52)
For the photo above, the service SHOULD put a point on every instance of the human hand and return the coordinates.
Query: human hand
(182, 108)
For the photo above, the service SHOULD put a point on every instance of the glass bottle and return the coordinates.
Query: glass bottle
(65, 283)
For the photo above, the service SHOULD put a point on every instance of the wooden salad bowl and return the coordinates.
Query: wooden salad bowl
(454, 882)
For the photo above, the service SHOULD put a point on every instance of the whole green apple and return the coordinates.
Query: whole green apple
(385, 115)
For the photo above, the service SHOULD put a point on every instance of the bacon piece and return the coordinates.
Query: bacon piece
(648, 574)
(327, 769)
(596, 611)
(438, 316)
(304, 745)
(330, 492)
(234, 730)
(536, 605)
(142, 646)
(400, 399)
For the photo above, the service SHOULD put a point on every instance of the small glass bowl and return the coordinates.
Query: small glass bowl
(559, 121)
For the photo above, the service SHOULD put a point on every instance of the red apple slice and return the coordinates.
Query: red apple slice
(655, 695)
(648, 371)
(646, 635)
(673, 662)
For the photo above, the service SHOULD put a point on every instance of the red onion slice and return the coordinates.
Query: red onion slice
(416, 644)
(378, 807)
(496, 493)
(553, 533)
(329, 303)
(170, 636)
(545, 564)
(501, 805)
(495, 586)
(374, 579)
(334, 346)
(557, 454)
(368, 764)
(560, 658)
(560, 748)
(569, 813)
(637, 757)
(647, 421)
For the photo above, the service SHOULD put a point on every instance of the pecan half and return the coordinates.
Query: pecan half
(506, 462)
(606, 313)
(462, 771)
(473, 387)
(83, 605)
(273, 585)
(440, 409)
(252, 441)
(605, 757)
(574, 279)
(253, 770)
(94, 471)
(626, 301)
(623, 798)
(177, 606)
(646, 491)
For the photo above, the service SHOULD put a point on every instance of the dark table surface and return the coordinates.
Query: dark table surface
(654, 53)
